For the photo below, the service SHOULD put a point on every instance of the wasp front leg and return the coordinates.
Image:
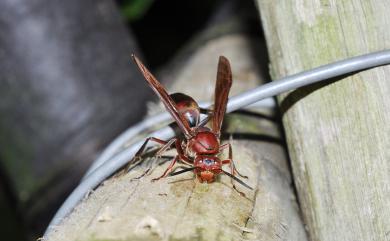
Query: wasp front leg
(180, 156)
(228, 145)
(233, 176)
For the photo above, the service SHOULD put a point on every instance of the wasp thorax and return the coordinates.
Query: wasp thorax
(204, 143)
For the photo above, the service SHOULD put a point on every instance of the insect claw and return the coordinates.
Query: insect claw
(243, 176)
(139, 177)
(239, 192)
(137, 158)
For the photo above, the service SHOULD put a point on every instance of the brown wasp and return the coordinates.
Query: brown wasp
(199, 145)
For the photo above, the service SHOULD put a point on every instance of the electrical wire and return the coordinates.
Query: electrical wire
(292, 82)
(123, 138)
(116, 145)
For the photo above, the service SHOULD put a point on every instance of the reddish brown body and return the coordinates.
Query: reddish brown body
(201, 145)
(208, 168)
(205, 146)
(187, 107)
(205, 142)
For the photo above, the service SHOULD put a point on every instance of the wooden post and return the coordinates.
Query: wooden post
(181, 208)
(338, 132)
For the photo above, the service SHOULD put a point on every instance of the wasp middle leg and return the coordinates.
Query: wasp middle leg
(180, 156)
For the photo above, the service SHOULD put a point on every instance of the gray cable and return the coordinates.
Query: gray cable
(321, 73)
(99, 175)
(116, 145)
(267, 90)
(113, 148)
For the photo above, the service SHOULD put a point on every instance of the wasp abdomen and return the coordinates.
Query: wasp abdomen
(188, 107)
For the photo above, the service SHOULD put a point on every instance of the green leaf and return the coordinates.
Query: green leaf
(135, 9)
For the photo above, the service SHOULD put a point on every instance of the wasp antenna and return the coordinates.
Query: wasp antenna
(182, 171)
(237, 180)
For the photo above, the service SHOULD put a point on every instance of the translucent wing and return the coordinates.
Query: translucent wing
(170, 105)
(222, 88)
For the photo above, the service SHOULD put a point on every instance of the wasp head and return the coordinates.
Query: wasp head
(207, 168)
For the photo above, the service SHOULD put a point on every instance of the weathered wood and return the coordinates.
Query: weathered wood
(337, 133)
(181, 208)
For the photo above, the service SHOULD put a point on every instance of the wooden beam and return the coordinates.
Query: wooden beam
(181, 208)
(338, 132)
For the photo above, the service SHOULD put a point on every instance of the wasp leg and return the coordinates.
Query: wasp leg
(231, 164)
(167, 170)
(224, 146)
(166, 147)
(141, 176)
(180, 156)
(136, 160)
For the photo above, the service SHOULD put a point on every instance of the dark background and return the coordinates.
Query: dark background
(69, 88)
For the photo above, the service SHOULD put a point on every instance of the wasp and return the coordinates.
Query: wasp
(199, 146)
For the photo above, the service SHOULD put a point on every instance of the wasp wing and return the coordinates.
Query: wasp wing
(222, 88)
(168, 102)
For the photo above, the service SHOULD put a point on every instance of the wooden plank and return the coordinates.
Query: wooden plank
(338, 132)
(181, 208)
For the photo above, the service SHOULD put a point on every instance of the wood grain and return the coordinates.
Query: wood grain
(181, 208)
(337, 132)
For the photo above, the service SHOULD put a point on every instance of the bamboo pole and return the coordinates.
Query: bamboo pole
(337, 133)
